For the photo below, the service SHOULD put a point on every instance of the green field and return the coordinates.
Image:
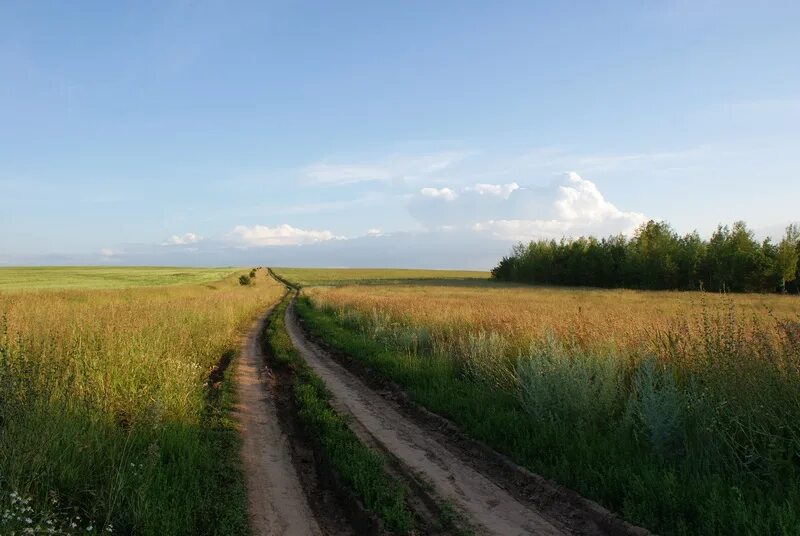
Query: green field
(103, 277)
(308, 277)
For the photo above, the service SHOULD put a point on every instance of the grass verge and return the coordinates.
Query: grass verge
(225, 502)
(359, 468)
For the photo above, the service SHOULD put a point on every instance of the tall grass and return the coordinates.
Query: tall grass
(105, 408)
(681, 411)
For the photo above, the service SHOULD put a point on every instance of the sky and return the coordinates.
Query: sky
(405, 134)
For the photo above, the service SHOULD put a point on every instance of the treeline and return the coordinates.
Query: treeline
(656, 257)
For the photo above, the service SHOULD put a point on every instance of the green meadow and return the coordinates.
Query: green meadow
(103, 277)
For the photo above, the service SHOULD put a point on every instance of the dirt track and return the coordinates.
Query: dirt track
(276, 502)
(487, 507)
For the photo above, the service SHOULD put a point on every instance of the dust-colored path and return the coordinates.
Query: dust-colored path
(490, 509)
(276, 503)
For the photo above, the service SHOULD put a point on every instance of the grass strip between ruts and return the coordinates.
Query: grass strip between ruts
(359, 468)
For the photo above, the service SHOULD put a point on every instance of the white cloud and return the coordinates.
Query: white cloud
(570, 207)
(581, 200)
(180, 240)
(107, 252)
(374, 232)
(439, 193)
(282, 235)
(393, 168)
(500, 190)
(579, 209)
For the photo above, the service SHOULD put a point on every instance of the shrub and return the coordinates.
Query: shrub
(659, 407)
(565, 387)
(244, 280)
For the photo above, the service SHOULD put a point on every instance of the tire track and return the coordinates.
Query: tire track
(488, 507)
(277, 504)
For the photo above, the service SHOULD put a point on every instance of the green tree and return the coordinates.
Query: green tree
(653, 249)
(786, 257)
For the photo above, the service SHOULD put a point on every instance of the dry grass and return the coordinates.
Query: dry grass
(363, 276)
(626, 319)
(679, 410)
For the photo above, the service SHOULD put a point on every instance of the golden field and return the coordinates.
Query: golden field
(678, 410)
(626, 319)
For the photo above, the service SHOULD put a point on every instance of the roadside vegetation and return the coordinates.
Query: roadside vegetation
(657, 258)
(114, 405)
(359, 468)
(681, 411)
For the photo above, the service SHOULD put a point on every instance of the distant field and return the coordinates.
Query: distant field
(593, 318)
(367, 276)
(103, 277)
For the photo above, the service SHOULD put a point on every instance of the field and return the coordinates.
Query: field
(372, 276)
(679, 410)
(103, 277)
(110, 416)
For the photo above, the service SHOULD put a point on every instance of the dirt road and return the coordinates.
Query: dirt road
(276, 502)
(487, 507)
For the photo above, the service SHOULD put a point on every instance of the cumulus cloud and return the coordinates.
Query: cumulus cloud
(180, 240)
(570, 207)
(500, 190)
(439, 193)
(282, 235)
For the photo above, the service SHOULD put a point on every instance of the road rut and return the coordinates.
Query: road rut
(489, 508)
(276, 502)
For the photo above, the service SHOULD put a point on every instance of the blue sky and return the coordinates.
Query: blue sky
(386, 133)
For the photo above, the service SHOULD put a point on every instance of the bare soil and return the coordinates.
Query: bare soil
(491, 493)
(276, 501)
